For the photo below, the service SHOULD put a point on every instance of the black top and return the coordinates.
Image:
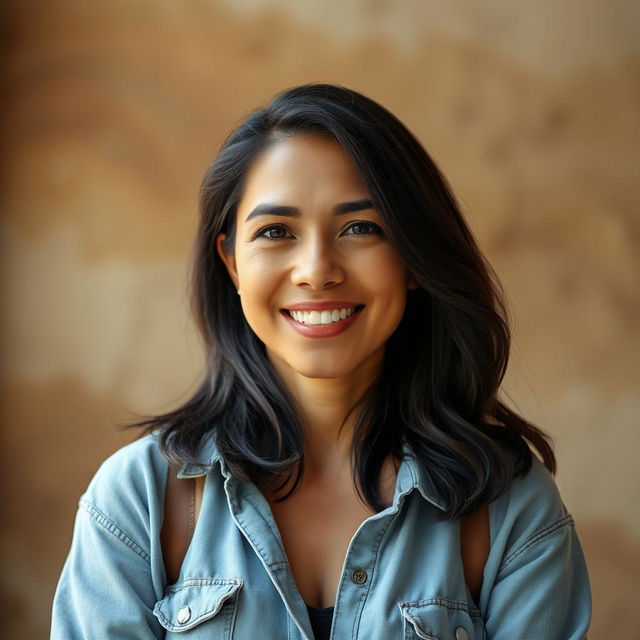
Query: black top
(320, 618)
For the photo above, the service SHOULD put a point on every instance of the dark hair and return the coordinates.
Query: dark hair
(443, 365)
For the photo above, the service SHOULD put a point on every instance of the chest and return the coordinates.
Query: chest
(409, 557)
(316, 528)
(316, 524)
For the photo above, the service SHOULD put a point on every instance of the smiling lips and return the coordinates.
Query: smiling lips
(322, 319)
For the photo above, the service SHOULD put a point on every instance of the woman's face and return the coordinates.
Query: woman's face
(309, 241)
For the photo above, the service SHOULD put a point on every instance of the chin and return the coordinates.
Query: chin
(321, 372)
(319, 368)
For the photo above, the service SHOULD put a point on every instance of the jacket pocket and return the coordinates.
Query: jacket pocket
(440, 619)
(207, 603)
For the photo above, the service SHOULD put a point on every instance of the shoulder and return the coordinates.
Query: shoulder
(114, 573)
(135, 466)
(534, 489)
(529, 511)
(128, 487)
(536, 576)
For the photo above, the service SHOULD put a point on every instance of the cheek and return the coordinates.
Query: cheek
(253, 273)
(392, 288)
(259, 278)
(387, 275)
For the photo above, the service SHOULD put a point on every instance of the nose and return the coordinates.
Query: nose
(317, 266)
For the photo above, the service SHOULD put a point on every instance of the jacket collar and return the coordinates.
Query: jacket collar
(411, 474)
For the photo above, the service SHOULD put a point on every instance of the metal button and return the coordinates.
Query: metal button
(184, 614)
(359, 576)
(461, 634)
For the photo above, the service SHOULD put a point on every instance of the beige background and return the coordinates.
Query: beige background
(112, 111)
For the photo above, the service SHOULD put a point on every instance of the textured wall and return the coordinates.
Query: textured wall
(111, 112)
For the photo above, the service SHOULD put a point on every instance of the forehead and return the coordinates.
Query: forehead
(304, 167)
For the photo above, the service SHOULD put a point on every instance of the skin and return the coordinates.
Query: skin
(321, 256)
(317, 256)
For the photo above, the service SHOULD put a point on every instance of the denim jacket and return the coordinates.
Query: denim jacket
(402, 575)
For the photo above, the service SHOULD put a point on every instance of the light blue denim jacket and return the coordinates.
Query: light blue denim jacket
(402, 575)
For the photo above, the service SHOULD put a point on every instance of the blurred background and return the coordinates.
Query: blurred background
(111, 112)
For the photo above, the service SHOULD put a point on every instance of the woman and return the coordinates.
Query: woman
(361, 475)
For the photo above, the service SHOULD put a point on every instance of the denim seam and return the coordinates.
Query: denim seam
(110, 526)
(198, 583)
(211, 612)
(566, 520)
(365, 593)
(273, 531)
(442, 602)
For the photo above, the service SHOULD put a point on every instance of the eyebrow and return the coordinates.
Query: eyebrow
(293, 212)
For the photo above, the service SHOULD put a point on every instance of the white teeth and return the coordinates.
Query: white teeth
(321, 317)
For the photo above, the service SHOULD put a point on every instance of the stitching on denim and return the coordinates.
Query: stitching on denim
(225, 601)
(442, 602)
(566, 520)
(258, 547)
(407, 609)
(269, 525)
(191, 583)
(113, 529)
(406, 614)
(365, 592)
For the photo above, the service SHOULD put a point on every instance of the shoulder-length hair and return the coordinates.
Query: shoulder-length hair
(437, 393)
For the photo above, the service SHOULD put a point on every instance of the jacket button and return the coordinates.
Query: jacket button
(461, 634)
(359, 576)
(184, 614)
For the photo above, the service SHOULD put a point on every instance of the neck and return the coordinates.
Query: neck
(324, 405)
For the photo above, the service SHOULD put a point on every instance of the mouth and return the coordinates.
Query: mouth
(323, 317)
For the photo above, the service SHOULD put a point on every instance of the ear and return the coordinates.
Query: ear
(229, 260)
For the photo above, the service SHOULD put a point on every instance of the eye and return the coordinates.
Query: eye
(272, 232)
(363, 228)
